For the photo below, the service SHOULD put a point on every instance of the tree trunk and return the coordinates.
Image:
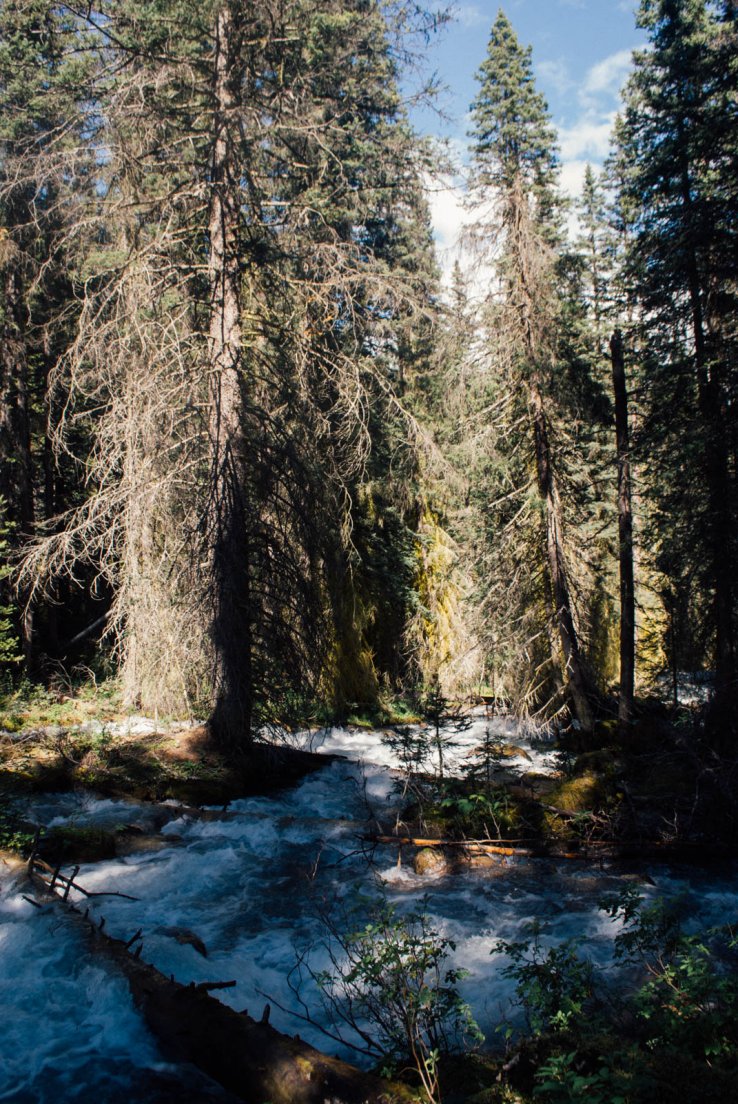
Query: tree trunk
(625, 534)
(228, 515)
(527, 291)
(16, 461)
(249, 1058)
(717, 467)
(578, 682)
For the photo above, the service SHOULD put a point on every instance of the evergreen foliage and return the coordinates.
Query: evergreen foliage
(676, 169)
(541, 385)
(247, 447)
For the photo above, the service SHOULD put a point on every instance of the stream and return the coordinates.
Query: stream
(250, 884)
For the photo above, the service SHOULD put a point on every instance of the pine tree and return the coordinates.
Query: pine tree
(43, 80)
(515, 165)
(676, 161)
(253, 275)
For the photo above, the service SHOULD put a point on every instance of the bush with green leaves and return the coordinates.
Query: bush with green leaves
(689, 1000)
(562, 1079)
(667, 1028)
(491, 814)
(390, 992)
(554, 983)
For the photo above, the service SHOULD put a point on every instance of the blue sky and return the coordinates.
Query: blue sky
(581, 56)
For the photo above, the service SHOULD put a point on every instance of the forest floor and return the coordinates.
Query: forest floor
(56, 744)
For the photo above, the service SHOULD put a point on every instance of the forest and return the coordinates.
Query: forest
(294, 528)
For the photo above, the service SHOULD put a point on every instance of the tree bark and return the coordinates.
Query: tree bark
(717, 467)
(247, 1057)
(574, 663)
(231, 720)
(16, 460)
(625, 534)
(527, 291)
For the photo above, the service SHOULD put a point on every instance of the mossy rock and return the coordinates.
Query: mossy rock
(578, 795)
(512, 751)
(430, 862)
(600, 761)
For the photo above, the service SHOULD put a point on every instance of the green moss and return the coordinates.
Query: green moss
(603, 761)
(578, 795)
(34, 706)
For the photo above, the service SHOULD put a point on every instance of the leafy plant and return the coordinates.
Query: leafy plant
(390, 984)
(561, 1079)
(482, 809)
(689, 1001)
(553, 984)
(14, 836)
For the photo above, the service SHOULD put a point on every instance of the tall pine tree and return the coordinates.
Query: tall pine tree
(676, 160)
(515, 174)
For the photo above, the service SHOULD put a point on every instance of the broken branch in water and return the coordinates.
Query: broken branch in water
(34, 863)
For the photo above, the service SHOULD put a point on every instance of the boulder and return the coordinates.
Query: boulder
(430, 861)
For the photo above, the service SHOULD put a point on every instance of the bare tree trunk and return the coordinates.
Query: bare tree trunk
(16, 461)
(625, 533)
(228, 521)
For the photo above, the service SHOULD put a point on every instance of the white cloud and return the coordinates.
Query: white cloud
(572, 177)
(449, 218)
(556, 74)
(587, 139)
(607, 76)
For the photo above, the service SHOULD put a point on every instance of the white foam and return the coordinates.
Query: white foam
(251, 885)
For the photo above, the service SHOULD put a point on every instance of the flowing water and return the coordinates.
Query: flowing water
(251, 884)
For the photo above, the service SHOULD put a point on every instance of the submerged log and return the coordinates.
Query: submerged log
(250, 1059)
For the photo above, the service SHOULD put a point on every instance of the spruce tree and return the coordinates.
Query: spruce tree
(515, 171)
(253, 273)
(677, 166)
(44, 171)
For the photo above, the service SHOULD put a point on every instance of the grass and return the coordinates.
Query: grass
(31, 706)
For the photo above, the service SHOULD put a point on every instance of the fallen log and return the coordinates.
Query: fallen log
(250, 1059)
(494, 847)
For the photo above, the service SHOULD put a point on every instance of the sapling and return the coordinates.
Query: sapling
(445, 720)
(389, 992)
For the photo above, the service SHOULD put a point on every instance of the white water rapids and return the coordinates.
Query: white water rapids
(250, 884)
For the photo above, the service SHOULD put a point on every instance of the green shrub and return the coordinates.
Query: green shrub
(391, 985)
